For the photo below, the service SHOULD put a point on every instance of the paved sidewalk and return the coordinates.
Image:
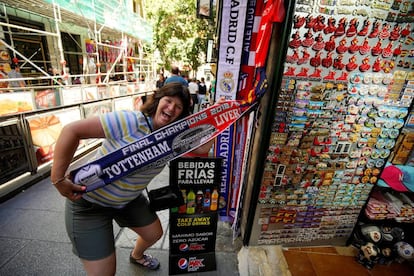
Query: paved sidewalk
(33, 238)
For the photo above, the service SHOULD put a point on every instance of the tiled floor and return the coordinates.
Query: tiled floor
(337, 261)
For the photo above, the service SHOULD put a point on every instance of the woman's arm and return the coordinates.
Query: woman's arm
(65, 149)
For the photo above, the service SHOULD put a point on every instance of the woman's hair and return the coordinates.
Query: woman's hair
(172, 89)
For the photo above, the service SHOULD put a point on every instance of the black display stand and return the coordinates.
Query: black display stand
(193, 226)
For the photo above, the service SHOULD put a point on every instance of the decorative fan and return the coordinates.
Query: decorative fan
(45, 130)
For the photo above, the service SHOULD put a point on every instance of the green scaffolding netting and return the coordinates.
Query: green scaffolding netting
(113, 14)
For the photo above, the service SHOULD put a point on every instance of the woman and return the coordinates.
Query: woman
(89, 215)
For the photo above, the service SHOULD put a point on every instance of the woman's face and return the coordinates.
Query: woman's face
(168, 110)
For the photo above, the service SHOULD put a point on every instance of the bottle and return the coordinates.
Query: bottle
(214, 200)
(183, 208)
(207, 201)
(191, 202)
(199, 202)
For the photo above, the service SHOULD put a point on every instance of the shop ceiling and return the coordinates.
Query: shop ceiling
(45, 9)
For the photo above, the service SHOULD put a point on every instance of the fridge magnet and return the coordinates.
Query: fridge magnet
(303, 72)
(295, 42)
(319, 43)
(352, 30)
(310, 21)
(395, 33)
(305, 57)
(365, 48)
(343, 77)
(338, 64)
(375, 29)
(330, 45)
(330, 27)
(377, 50)
(342, 48)
(327, 61)
(384, 33)
(354, 47)
(316, 60)
(365, 27)
(365, 66)
(387, 65)
(405, 31)
(351, 65)
(316, 75)
(299, 21)
(308, 40)
(340, 30)
(376, 67)
(397, 51)
(319, 23)
(293, 58)
(290, 71)
(387, 51)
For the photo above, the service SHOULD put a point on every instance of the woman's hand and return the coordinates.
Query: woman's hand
(70, 190)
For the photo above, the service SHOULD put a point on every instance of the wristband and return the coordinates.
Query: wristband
(59, 180)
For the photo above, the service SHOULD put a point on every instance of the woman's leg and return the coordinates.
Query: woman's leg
(147, 236)
(103, 267)
(90, 230)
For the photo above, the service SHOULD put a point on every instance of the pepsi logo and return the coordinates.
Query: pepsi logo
(183, 263)
(183, 247)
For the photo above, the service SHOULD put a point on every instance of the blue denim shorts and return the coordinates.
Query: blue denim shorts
(90, 229)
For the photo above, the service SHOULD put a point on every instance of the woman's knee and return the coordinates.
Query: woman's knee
(150, 233)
